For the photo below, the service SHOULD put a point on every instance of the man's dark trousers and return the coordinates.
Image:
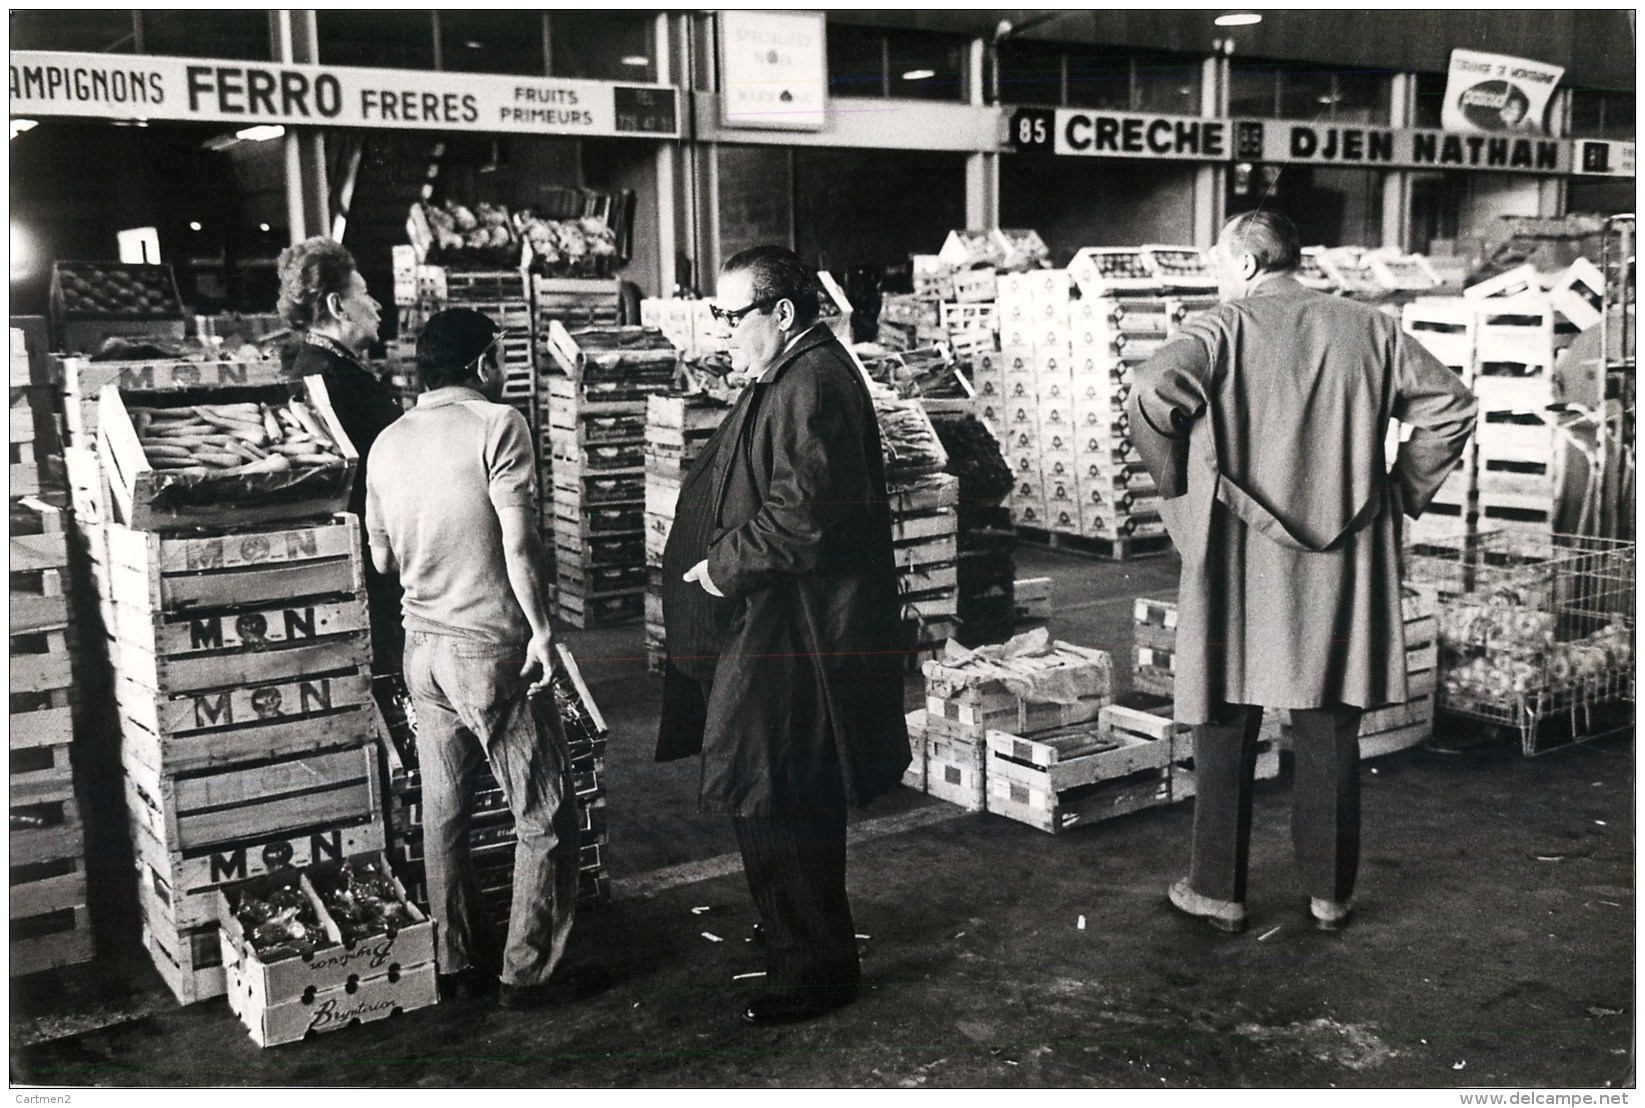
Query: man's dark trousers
(1324, 800)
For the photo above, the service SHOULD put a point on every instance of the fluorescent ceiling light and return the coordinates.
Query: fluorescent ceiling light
(637, 60)
(473, 45)
(18, 126)
(262, 226)
(1238, 19)
(194, 225)
(919, 74)
(261, 132)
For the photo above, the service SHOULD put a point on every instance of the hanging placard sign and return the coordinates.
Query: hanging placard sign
(1280, 140)
(773, 70)
(1498, 93)
(1118, 134)
(141, 87)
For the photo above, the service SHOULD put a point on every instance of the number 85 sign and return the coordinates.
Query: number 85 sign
(1033, 129)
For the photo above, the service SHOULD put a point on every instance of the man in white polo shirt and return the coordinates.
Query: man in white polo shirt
(451, 508)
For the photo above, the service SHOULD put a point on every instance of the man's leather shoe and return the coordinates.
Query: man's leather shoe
(465, 984)
(1330, 915)
(524, 996)
(1224, 915)
(773, 1008)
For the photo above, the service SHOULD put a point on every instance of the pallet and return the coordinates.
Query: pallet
(1118, 549)
(57, 938)
(239, 570)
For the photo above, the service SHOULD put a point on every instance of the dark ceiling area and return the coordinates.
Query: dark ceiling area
(1596, 47)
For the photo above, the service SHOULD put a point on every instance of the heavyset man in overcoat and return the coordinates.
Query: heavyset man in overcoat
(1263, 424)
(781, 609)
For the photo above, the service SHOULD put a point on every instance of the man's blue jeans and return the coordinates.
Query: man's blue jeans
(471, 703)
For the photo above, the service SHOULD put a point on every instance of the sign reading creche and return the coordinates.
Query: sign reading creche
(1267, 140)
(1119, 134)
(138, 87)
(773, 70)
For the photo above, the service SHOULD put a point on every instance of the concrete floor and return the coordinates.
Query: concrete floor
(1495, 943)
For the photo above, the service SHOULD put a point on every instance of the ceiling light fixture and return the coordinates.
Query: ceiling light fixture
(919, 74)
(637, 60)
(1238, 19)
(194, 225)
(473, 45)
(261, 132)
(263, 227)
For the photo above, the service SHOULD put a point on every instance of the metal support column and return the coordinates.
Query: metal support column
(308, 194)
(982, 170)
(667, 160)
(1211, 179)
(1396, 184)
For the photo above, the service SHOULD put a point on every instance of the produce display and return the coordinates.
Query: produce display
(909, 442)
(107, 290)
(570, 247)
(483, 232)
(282, 924)
(1515, 653)
(929, 372)
(363, 901)
(240, 439)
(974, 457)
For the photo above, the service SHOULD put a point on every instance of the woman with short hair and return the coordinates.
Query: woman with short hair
(334, 318)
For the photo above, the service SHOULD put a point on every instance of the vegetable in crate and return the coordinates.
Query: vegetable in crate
(974, 457)
(281, 925)
(234, 439)
(364, 902)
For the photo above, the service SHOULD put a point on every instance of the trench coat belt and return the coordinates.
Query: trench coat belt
(1260, 519)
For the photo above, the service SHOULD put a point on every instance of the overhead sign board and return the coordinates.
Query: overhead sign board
(142, 87)
(1291, 141)
(1603, 158)
(1119, 134)
(773, 70)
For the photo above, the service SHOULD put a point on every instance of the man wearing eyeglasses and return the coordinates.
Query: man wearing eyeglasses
(780, 603)
(451, 508)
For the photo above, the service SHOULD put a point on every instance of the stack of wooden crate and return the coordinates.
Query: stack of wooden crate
(1447, 329)
(242, 676)
(969, 695)
(492, 835)
(1381, 730)
(597, 418)
(925, 536)
(676, 428)
(49, 922)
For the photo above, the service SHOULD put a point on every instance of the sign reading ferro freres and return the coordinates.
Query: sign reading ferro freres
(140, 87)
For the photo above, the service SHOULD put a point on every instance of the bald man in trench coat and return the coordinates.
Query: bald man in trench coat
(1263, 424)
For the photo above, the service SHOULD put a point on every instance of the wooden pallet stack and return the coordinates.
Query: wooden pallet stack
(242, 676)
(1381, 730)
(492, 835)
(925, 537)
(597, 423)
(50, 925)
(676, 428)
(1513, 378)
(1447, 328)
(967, 695)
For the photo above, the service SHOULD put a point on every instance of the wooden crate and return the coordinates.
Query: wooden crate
(205, 809)
(56, 938)
(83, 379)
(607, 611)
(184, 651)
(190, 961)
(191, 730)
(955, 767)
(147, 499)
(40, 888)
(914, 776)
(239, 569)
(341, 961)
(574, 491)
(1071, 757)
(180, 883)
(40, 774)
(606, 521)
(601, 550)
(589, 582)
(371, 999)
(1058, 812)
